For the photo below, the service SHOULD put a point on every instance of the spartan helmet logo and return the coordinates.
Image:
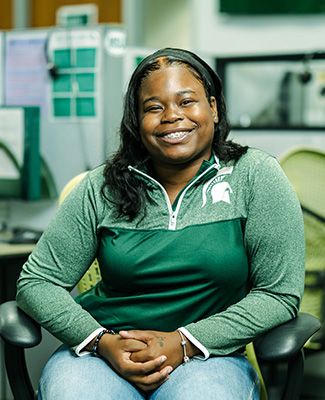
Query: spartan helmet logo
(220, 192)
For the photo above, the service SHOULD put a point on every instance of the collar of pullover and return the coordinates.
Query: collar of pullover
(207, 169)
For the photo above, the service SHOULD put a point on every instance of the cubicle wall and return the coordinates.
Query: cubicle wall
(278, 142)
(76, 76)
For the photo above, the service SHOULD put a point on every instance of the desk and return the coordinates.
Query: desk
(11, 250)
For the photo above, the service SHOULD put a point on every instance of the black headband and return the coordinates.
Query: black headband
(204, 70)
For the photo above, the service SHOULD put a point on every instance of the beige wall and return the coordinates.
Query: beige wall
(166, 23)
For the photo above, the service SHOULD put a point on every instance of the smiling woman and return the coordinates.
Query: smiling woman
(199, 242)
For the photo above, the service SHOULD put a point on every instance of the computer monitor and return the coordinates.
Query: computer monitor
(20, 166)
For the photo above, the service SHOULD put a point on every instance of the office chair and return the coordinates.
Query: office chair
(283, 344)
(305, 168)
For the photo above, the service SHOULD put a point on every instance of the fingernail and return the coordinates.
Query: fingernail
(169, 370)
(163, 358)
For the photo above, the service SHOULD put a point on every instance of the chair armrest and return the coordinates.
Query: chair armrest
(17, 328)
(286, 340)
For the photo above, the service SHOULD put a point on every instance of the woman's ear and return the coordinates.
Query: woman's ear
(214, 109)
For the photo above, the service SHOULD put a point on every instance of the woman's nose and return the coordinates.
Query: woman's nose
(171, 114)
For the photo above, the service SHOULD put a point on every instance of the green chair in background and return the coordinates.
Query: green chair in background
(305, 168)
(92, 276)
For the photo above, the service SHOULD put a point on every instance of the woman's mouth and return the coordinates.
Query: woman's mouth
(175, 137)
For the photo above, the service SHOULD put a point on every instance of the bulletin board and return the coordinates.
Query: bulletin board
(76, 56)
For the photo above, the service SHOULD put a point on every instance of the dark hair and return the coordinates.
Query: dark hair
(125, 189)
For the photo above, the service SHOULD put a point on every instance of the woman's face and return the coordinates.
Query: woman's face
(176, 119)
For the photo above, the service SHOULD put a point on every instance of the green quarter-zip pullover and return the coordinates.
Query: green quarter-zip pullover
(226, 260)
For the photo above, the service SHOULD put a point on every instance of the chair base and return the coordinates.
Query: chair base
(17, 373)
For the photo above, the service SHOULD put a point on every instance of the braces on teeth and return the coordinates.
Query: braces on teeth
(176, 135)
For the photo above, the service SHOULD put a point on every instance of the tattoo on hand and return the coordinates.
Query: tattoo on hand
(161, 341)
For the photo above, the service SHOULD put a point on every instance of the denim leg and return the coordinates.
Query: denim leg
(218, 378)
(68, 377)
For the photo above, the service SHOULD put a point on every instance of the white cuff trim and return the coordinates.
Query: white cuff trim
(80, 348)
(196, 343)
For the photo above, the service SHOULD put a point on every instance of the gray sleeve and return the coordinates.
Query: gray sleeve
(274, 239)
(61, 257)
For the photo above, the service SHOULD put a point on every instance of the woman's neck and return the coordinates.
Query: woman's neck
(175, 177)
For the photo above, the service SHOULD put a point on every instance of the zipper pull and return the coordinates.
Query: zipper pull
(172, 222)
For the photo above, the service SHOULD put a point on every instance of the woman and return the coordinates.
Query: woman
(200, 244)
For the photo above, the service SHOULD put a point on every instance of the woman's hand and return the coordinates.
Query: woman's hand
(146, 375)
(158, 344)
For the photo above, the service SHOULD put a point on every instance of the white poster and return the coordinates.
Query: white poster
(26, 73)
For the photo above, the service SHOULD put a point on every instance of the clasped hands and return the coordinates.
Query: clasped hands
(144, 358)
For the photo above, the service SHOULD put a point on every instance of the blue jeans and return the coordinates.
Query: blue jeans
(68, 377)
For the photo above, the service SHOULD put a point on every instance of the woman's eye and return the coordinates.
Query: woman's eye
(152, 108)
(187, 102)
